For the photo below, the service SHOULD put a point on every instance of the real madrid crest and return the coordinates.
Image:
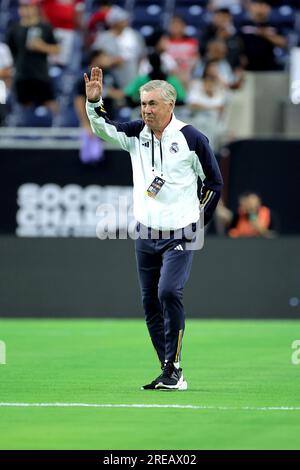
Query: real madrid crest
(174, 147)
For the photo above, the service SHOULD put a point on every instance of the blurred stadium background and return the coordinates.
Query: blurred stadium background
(236, 66)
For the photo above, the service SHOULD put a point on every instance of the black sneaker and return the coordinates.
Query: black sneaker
(171, 378)
(151, 386)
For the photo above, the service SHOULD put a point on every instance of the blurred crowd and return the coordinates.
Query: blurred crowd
(202, 47)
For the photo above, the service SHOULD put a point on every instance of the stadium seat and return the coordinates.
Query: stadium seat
(194, 15)
(239, 16)
(283, 16)
(145, 30)
(67, 116)
(148, 15)
(33, 116)
(124, 114)
(8, 15)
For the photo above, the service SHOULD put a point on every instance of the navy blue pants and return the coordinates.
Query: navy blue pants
(164, 267)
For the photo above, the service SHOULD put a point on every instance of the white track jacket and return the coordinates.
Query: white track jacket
(181, 157)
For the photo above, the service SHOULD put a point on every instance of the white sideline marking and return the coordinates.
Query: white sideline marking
(141, 405)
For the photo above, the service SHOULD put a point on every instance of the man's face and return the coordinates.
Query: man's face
(120, 26)
(221, 19)
(250, 204)
(156, 112)
(259, 11)
(177, 27)
(26, 12)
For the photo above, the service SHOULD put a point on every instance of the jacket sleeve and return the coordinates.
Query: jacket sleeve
(212, 183)
(207, 169)
(117, 133)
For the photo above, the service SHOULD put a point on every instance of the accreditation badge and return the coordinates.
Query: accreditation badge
(155, 187)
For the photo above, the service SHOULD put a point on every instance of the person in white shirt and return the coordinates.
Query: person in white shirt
(123, 44)
(6, 61)
(168, 156)
(6, 71)
(158, 42)
(207, 99)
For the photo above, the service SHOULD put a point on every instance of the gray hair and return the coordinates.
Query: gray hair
(167, 90)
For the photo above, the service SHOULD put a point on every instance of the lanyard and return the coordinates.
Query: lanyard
(161, 155)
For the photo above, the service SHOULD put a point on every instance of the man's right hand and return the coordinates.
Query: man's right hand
(93, 86)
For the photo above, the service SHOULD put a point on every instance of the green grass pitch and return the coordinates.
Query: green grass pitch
(240, 374)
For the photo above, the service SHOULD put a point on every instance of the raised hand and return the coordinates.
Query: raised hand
(93, 86)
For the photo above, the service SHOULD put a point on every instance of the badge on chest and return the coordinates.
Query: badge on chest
(155, 187)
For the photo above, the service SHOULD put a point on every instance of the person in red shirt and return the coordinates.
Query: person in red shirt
(99, 17)
(65, 14)
(184, 49)
(66, 18)
(97, 22)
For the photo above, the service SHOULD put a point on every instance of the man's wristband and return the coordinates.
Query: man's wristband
(96, 101)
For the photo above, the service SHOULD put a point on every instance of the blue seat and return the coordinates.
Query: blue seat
(67, 116)
(124, 114)
(283, 16)
(194, 15)
(145, 29)
(151, 14)
(34, 117)
(239, 17)
(9, 16)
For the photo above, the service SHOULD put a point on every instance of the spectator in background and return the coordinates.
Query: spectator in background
(158, 42)
(157, 72)
(207, 99)
(66, 17)
(222, 218)
(183, 49)
(97, 21)
(252, 218)
(123, 44)
(216, 51)
(222, 27)
(91, 149)
(158, 65)
(31, 42)
(6, 69)
(260, 38)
